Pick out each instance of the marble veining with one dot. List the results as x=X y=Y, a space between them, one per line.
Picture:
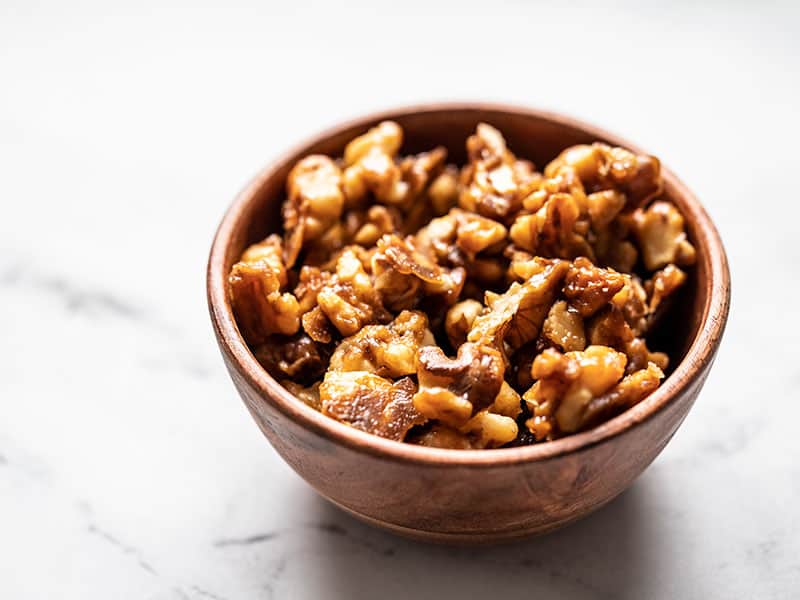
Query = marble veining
x=129 y=467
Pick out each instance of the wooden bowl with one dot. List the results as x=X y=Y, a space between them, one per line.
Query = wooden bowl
x=471 y=496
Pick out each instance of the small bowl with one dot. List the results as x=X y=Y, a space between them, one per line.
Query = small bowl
x=471 y=496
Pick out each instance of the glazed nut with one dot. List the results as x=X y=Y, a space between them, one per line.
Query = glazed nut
x=489 y=430
x=443 y=405
x=459 y=320
x=386 y=350
x=443 y=191
x=387 y=137
x=349 y=300
x=660 y=232
x=371 y=403
x=564 y=327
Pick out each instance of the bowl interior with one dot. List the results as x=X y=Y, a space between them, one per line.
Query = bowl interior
x=532 y=135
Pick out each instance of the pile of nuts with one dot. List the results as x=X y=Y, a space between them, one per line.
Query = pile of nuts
x=470 y=308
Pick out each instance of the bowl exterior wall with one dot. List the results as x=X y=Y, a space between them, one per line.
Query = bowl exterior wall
x=473 y=504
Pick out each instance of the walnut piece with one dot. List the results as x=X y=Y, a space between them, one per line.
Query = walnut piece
x=494 y=182
x=564 y=327
x=516 y=317
x=386 y=350
x=262 y=309
x=314 y=202
x=298 y=357
x=662 y=238
x=566 y=384
x=371 y=403
x=459 y=320
x=451 y=390
x=589 y=288
x=371 y=167
x=349 y=300
x=402 y=274
x=602 y=167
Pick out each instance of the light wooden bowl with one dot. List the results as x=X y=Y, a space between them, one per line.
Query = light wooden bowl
x=462 y=496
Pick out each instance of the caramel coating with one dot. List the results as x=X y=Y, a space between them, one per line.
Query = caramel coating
x=386 y=350
x=470 y=307
x=369 y=402
x=451 y=390
x=256 y=284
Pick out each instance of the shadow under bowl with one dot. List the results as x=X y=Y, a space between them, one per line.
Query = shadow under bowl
x=471 y=496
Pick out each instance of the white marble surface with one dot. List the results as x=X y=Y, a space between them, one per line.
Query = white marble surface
x=128 y=466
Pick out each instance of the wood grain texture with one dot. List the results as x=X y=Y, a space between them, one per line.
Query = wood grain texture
x=461 y=496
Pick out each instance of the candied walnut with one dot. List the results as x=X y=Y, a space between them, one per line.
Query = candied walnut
x=523 y=265
x=452 y=389
x=627 y=393
x=308 y=395
x=402 y=272
x=603 y=206
x=319 y=251
x=386 y=137
x=553 y=372
x=554 y=230
x=565 y=385
x=386 y=350
x=589 y=288
x=602 y=167
x=560 y=181
x=443 y=190
x=475 y=233
x=462 y=239
x=379 y=220
x=419 y=170
x=311 y=281
x=270 y=252
x=612 y=248
x=600 y=368
x=371 y=403
x=525 y=232
x=487 y=144
x=662 y=239
x=485 y=430
x=489 y=430
x=662 y=285
x=639 y=356
x=609 y=328
x=564 y=327
x=363 y=255
x=459 y=320
x=516 y=317
x=314 y=202
x=507 y=402
x=371 y=167
x=437 y=240
x=349 y=300
x=318 y=326
x=260 y=307
x=632 y=301
x=297 y=357
x=491 y=182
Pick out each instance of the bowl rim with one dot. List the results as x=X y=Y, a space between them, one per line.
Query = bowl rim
x=692 y=368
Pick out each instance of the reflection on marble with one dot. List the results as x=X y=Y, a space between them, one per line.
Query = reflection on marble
x=128 y=466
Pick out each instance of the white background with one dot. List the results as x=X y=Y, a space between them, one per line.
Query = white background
x=129 y=467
